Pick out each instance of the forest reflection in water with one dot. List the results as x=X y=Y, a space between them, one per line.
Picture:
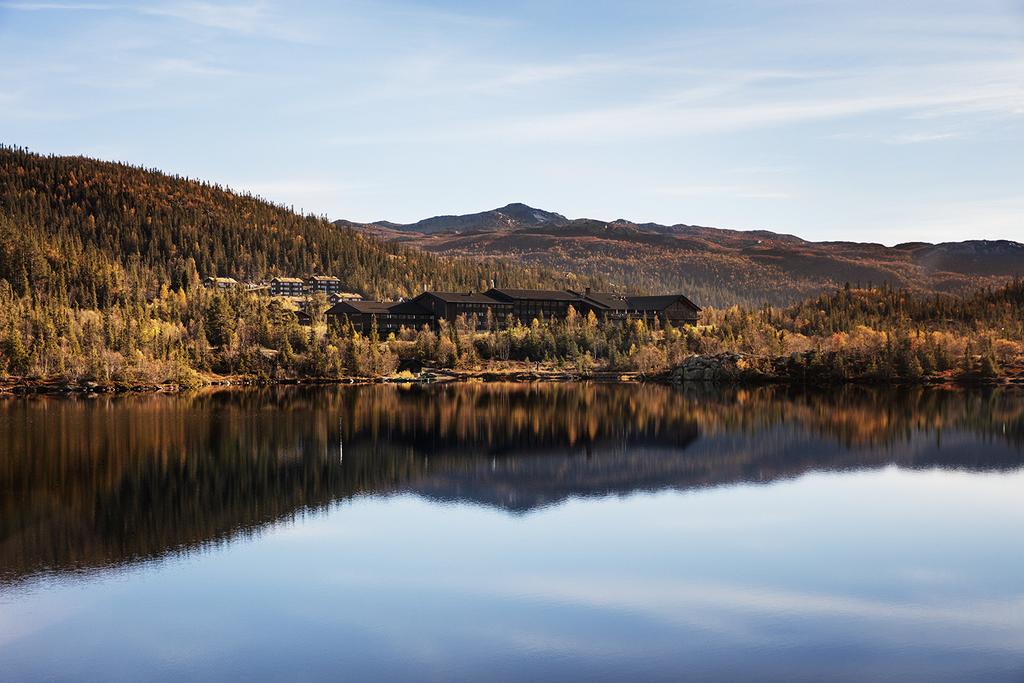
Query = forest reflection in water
x=89 y=484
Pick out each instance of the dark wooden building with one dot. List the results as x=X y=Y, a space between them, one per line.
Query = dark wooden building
x=450 y=305
x=674 y=308
x=390 y=316
x=524 y=304
x=527 y=304
x=328 y=284
x=287 y=286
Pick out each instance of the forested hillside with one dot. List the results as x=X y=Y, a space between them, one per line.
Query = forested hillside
x=95 y=230
x=100 y=269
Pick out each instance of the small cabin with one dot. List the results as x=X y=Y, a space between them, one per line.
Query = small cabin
x=338 y=297
x=220 y=283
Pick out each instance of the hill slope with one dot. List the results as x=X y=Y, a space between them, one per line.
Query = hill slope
x=105 y=227
x=714 y=266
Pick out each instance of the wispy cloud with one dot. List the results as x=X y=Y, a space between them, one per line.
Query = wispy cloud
x=437 y=16
x=248 y=18
x=57 y=6
x=991 y=88
x=734 y=191
x=669 y=100
x=189 y=67
x=915 y=138
x=904 y=138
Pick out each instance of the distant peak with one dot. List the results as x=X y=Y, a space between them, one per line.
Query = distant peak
x=528 y=214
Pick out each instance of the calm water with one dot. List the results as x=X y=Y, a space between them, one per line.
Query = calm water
x=498 y=532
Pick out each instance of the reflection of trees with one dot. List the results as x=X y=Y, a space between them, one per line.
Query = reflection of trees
x=860 y=415
x=88 y=483
x=544 y=443
x=516 y=418
x=498 y=417
x=113 y=480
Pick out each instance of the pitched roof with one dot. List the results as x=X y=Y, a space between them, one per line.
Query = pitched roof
x=549 y=294
x=324 y=278
x=408 y=308
x=629 y=302
x=462 y=297
x=608 y=300
x=658 y=302
x=287 y=279
x=377 y=308
x=368 y=307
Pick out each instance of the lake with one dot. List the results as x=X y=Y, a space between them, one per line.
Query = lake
x=497 y=532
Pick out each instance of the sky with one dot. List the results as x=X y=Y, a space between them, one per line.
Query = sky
x=869 y=121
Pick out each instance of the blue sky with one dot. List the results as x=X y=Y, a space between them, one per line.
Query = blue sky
x=869 y=121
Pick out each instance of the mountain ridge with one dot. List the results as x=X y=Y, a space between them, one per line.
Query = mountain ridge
x=437 y=224
x=721 y=265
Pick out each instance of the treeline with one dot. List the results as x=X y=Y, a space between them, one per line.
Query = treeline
x=96 y=232
x=851 y=334
x=183 y=335
x=856 y=333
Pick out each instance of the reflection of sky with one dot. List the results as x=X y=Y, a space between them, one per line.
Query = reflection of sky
x=884 y=573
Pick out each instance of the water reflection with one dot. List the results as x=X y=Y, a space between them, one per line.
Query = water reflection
x=94 y=483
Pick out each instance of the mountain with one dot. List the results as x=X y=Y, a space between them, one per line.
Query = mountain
x=97 y=231
x=714 y=266
x=507 y=217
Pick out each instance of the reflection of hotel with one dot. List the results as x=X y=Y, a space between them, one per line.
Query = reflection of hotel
x=522 y=304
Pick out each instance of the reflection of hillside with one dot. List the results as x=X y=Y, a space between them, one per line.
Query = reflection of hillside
x=655 y=438
x=864 y=416
x=90 y=483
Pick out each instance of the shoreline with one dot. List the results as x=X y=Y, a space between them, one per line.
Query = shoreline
x=12 y=386
x=22 y=387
